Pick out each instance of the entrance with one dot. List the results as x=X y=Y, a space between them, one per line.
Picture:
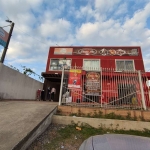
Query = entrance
x=49 y=85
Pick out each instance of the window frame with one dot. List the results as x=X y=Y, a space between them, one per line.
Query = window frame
x=59 y=59
x=92 y=59
x=124 y=61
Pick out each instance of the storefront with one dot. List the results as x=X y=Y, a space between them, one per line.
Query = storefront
x=96 y=74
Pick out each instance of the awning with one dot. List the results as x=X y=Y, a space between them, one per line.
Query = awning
x=54 y=77
x=50 y=75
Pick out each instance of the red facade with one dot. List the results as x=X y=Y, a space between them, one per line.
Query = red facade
x=106 y=61
x=117 y=66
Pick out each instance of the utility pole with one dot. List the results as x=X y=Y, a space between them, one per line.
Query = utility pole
x=9 y=36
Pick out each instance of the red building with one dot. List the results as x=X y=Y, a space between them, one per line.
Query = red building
x=113 y=65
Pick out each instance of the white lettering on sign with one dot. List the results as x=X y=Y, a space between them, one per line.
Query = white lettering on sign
x=87 y=51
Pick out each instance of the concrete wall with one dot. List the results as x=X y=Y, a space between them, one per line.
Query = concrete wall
x=15 y=85
x=107 y=123
x=67 y=110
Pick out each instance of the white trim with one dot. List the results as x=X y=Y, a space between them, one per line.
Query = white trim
x=124 y=60
x=99 y=68
x=58 y=59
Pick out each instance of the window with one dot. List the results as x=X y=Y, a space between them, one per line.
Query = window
x=56 y=64
x=124 y=65
x=89 y=64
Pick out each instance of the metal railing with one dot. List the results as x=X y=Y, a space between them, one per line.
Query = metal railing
x=117 y=89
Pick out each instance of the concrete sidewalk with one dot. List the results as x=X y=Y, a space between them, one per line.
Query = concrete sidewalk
x=19 y=118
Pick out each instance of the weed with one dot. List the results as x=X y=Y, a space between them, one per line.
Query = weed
x=88 y=115
x=95 y=115
x=128 y=117
x=110 y=115
x=100 y=113
x=59 y=111
x=73 y=114
x=141 y=118
x=135 y=118
x=79 y=113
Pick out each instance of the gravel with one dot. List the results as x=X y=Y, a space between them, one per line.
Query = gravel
x=52 y=132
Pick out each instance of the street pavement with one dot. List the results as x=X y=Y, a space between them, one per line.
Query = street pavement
x=18 y=118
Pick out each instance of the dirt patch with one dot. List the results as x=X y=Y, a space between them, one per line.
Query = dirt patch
x=61 y=137
x=58 y=137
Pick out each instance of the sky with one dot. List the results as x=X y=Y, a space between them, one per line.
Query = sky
x=40 y=24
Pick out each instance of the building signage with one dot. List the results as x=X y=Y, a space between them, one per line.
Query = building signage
x=74 y=78
x=3 y=37
x=76 y=95
x=106 y=51
x=63 y=51
x=92 y=83
x=86 y=51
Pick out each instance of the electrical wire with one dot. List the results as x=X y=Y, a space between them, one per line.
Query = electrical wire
x=31 y=36
x=5 y=26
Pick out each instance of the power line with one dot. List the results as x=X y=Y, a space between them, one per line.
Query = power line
x=31 y=36
x=5 y=26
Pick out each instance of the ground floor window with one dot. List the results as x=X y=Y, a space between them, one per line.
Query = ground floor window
x=127 y=65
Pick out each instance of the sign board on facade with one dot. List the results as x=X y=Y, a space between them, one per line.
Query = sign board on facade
x=76 y=95
x=106 y=51
x=92 y=83
x=74 y=78
x=63 y=51
x=3 y=37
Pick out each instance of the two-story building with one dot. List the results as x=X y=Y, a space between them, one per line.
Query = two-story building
x=113 y=66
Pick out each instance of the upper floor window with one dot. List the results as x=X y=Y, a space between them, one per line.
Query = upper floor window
x=91 y=64
x=127 y=65
x=57 y=64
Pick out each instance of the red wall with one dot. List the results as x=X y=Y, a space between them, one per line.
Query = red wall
x=106 y=61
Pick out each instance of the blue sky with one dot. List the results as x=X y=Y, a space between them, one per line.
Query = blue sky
x=40 y=24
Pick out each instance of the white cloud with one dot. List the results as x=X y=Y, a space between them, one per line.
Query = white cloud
x=112 y=32
x=122 y=9
x=106 y=5
x=42 y=23
x=55 y=28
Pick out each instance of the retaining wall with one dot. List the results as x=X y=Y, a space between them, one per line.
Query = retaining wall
x=67 y=110
x=107 y=123
x=15 y=85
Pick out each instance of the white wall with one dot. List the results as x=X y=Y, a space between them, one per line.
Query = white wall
x=15 y=85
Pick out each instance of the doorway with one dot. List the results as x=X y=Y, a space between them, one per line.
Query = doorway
x=48 y=87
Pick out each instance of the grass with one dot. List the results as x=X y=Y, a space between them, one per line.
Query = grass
x=71 y=138
x=100 y=114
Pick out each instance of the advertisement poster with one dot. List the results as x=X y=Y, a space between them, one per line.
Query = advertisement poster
x=57 y=64
x=3 y=37
x=92 y=83
x=74 y=78
x=106 y=51
x=63 y=51
x=76 y=95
